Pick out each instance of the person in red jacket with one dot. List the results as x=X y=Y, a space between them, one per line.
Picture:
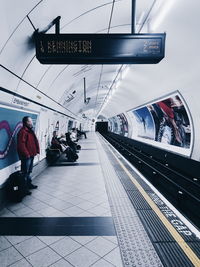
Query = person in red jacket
x=27 y=148
x=166 y=107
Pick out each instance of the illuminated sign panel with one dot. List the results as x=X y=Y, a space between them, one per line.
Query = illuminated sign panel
x=100 y=48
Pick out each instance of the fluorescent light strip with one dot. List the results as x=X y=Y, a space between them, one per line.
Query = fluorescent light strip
x=167 y=5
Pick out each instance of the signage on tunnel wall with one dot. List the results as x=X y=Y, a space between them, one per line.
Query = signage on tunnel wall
x=118 y=124
x=10 y=124
x=100 y=48
x=165 y=123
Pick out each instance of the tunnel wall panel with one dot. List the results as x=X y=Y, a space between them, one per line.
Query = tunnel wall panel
x=177 y=72
x=11 y=114
x=165 y=123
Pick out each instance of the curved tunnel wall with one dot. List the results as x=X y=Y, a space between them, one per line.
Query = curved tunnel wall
x=45 y=122
x=32 y=88
x=165 y=123
x=22 y=74
x=177 y=72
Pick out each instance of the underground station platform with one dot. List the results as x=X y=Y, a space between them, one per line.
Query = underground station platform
x=98 y=211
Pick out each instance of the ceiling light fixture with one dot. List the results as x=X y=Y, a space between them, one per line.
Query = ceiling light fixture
x=162 y=12
x=125 y=71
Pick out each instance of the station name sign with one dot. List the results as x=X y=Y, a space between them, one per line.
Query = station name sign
x=100 y=48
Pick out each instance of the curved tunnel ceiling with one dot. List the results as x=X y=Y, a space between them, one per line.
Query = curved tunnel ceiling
x=63 y=83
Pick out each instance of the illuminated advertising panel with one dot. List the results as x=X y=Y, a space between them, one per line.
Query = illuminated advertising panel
x=165 y=123
x=10 y=124
x=118 y=124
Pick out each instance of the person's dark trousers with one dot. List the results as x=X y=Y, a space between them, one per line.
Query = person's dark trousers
x=83 y=133
x=26 y=169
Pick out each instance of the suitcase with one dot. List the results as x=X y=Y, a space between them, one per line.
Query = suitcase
x=16 y=187
x=71 y=155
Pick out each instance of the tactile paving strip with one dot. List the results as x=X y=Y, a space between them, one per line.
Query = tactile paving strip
x=138 y=178
x=167 y=251
x=127 y=183
x=154 y=226
x=138 y=201
x=121 y=173
x=195 y=246
x=135 y=245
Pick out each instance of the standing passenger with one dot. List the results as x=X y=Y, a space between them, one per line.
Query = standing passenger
x=27 y=148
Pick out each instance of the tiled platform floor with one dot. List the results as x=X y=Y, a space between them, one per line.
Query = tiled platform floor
x=64 y=191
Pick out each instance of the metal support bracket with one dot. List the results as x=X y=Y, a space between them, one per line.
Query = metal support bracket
x=56 y=21
x=133 y=16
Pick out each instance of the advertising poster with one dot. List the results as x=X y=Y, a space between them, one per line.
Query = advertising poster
x=145 y=123
x=110 y=125
x=123 y=124
x=10 y=124
x=70 y=125
x=171 y=122
x=118 y=124
x=166 y=122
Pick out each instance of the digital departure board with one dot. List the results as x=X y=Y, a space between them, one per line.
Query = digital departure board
x=100 y=48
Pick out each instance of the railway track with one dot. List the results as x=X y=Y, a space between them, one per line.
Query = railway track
x=181 y=189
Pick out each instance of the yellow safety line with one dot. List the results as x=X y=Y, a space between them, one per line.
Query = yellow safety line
x=187 y=250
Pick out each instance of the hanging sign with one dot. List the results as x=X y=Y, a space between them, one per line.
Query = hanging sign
x=100 y=48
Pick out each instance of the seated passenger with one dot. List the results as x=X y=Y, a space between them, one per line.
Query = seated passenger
x=56 y=143
x=62 y=139
x=69 y=142
x=73 y=135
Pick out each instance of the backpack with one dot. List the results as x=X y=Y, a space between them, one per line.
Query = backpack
x=16 y=187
